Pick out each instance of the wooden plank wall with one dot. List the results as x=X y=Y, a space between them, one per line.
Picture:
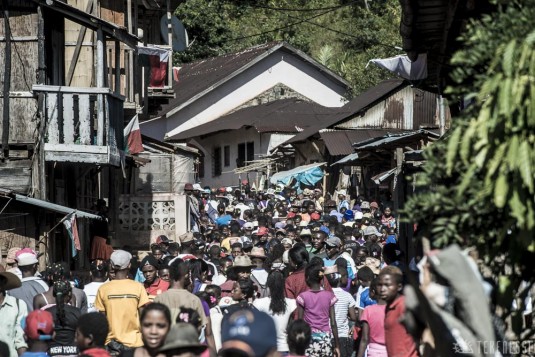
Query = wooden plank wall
x=84 y=74
x=24 y=62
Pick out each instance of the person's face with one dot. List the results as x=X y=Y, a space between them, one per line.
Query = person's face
x=297 y=219
x=387 y=288
x=318 y=240
x=291 y=234
x=164 y=274
x=263 y=238
x=360 y=257
x=226 y=266
x=244 y=273
x=305 y=238
x=259 y=262
x=237 y=294
x=332 y=251
x=387 y=212
x=154 y=328
x=311 y=209
x=111 y=274
x=373 y=238
x=157 y=253
x=225 y=231
x=82 y=342
x=149 y=272
x=236 y=252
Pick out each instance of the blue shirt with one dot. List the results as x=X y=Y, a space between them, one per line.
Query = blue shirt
x=365 y=299
x=330 y=262
x=391 y=239
x=223 y=220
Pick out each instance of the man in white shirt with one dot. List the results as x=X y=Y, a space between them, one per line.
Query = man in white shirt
x=99 y=275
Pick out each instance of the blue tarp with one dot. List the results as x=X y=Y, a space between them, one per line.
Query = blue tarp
x=304 y=175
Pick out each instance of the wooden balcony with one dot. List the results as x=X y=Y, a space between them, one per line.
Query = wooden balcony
x=83 y=125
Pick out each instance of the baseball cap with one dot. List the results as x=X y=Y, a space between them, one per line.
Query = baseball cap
x=197 y=187
x=365 y=205
x=162 y=239
x=262 y=231
x=333 y=242
x=250 y=331
x=248 y=225
x=305 y=232
x=26 y=257
x=374 y=205
x=120 y=259
x=38 y=325
x=358 y=215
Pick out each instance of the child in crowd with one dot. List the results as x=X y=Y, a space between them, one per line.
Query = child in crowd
x=38 y=327
x=316 y=307
x=344 y=306
x=91 y=335
x=299 y=335
x=397 y=340
x=372 y=333
x=364 y=277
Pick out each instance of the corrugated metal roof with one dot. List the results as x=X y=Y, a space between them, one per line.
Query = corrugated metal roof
x=356 y=105
x=340 y=142
x=395 y=140
x=196 y=78
x=284 y=115
x=407 y=109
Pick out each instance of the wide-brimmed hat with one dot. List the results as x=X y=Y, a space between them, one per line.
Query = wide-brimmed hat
x=242 y=261
x=11 y=281
x=258 y=252
x=11 y=253
x=186 y=237
x=371 y=230
x=182 y=335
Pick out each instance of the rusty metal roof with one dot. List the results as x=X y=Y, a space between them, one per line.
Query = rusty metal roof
x=281 y=116
x=390 y=141
x=340 y=142
x=354 y=107
x=198 y=78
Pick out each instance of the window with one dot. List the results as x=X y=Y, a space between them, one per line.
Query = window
x=240 y=161
x=200 y=167
x=226 y=153
x=250 y=151
x=216 y=162
x=245 y=153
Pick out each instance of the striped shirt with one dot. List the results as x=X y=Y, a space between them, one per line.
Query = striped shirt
x=341 y=309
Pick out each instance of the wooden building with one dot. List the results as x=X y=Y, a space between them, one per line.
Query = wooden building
x=71 y=80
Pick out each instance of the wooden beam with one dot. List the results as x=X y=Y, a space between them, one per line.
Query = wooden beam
x=81 y=35
x=7 y=84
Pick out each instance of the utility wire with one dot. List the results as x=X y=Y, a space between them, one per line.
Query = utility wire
x=300 y=10
x=289 y=25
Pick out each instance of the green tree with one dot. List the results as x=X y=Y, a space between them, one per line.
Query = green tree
x=482 y=174
x=353 y=31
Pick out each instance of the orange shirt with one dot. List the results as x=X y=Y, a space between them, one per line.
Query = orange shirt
x=157 y=287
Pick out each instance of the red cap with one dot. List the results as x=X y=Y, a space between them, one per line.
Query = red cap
x=262 y=231
x=39 y=325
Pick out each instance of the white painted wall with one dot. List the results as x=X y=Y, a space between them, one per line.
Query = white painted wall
x=231 y=138
x=279 y=67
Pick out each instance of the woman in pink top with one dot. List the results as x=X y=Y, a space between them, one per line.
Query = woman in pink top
x=373 y=327
x=316 y=307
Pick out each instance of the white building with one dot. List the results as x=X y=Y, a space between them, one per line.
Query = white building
x=208 y=92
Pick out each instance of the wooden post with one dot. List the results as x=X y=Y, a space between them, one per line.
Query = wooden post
x=101 y=64
x=170 y=41
x=117 y=67
x=7 y=83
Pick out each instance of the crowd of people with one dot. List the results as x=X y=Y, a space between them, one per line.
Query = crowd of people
x=275 y=273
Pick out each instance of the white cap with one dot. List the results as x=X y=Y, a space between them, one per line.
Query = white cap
x=197 y=187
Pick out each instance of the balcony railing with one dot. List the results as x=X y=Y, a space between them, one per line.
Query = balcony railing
x=82 y=124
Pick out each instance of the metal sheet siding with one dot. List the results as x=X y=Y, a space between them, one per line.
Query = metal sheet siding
x=407 y=109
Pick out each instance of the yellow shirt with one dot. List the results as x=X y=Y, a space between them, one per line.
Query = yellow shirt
x=120 y=300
